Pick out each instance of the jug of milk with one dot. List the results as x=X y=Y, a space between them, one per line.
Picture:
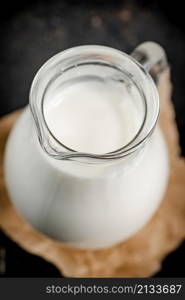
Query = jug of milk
x=86 y=163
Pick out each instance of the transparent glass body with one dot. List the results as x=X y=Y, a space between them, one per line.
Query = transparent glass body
x=89 y=200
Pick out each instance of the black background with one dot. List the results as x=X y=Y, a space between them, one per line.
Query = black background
x=33 y=31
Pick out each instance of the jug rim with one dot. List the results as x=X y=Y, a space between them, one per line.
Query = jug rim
x=58 y=64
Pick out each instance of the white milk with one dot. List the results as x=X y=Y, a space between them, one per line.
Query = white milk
x=87 y=205
x=93 y=117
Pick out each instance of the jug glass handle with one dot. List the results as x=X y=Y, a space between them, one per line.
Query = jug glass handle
x=152 y=57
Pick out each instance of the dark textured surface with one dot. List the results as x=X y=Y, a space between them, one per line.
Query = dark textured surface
x=33 y=32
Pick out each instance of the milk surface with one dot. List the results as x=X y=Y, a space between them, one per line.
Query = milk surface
x=94 y=116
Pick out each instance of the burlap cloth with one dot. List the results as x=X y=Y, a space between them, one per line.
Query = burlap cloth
x=141 y=255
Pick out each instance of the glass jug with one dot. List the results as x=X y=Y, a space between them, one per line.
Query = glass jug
x=89 y=200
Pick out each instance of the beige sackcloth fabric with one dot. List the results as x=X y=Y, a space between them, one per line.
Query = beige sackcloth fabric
x=142 y=254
